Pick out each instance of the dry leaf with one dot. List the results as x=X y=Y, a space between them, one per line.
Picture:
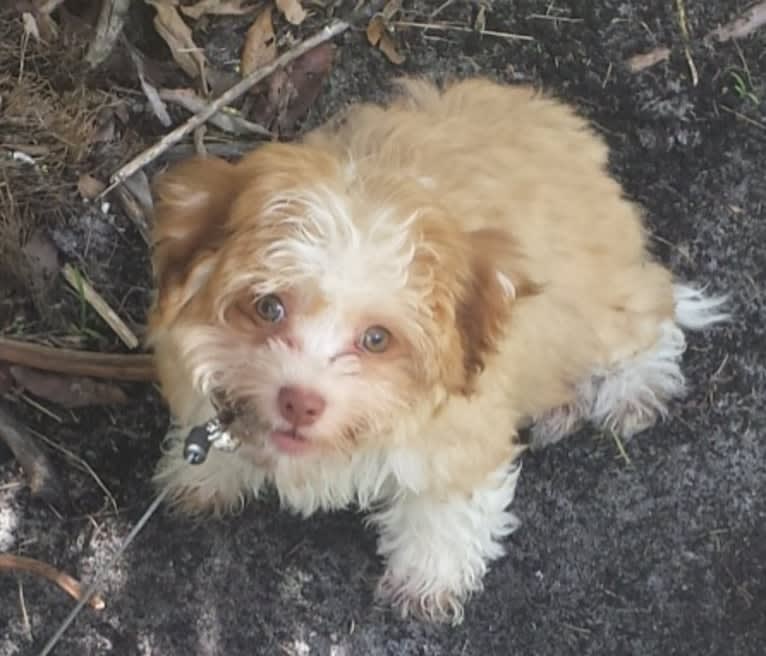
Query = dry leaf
x=68 y=391
x=291 y=91
x=41 y=262
x=260 y=46
x=216 y=7
x=178 y=36
x=305 y=79
x=645 y=60
x=150 y=91
x=378 y=35
x=292 y=10
x=89 y=187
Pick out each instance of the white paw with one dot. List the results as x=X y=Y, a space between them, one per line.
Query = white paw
x=430 y=604
x=555 y=424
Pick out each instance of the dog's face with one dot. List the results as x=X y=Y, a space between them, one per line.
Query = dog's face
x=330 y=304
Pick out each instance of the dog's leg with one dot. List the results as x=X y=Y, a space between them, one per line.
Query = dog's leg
x=560 y=422
x=219 y=485
x=437 y=548
x=633 y=394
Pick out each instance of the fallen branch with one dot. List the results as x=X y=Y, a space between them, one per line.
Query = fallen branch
x=78 y=282
x=138 y=368
x=68 y=391
x=40 y=474
x=173 y=137
x=71 y=586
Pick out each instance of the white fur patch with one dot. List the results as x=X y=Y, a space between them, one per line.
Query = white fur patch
x=509 y=289
x=695 y=310
x=437 y=550
x=630 y=397
x=348 y=257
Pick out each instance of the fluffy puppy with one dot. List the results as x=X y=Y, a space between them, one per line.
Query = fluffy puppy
x=388 y=301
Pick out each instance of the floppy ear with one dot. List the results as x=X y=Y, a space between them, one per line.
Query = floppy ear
x=495 y=279
x=192 y=202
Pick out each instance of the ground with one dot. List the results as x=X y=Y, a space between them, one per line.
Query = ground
x=660 y=550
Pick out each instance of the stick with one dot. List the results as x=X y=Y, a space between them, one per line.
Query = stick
x=37 y=467
x=135 y=212
x=97 y=302
x=68 y=584
x=139 y=367
x=173 y=137
x=446 y=27
x=227 y=121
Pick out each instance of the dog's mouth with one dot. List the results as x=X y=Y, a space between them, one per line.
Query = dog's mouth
x=289 y=441
x=242 y=421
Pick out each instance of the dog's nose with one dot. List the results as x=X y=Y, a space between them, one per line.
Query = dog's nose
x=300 y=406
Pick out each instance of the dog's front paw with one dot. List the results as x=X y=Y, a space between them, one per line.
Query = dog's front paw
x=423 y=602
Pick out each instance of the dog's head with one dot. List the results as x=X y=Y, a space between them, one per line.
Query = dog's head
x=331 y=302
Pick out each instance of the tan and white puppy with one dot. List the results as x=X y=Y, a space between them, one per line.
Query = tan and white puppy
x=389 y=300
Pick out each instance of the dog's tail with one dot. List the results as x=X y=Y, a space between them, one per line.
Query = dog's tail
x=696 y=310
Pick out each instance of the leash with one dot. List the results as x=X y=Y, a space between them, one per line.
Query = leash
x=196 y=448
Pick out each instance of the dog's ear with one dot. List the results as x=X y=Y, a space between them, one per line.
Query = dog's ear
x=192 y=203
x=495 y=278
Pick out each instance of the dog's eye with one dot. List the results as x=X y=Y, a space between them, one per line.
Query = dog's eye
x=270 y=308
x=375 y=339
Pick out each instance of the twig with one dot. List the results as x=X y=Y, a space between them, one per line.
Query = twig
x=226 y=98
x=445 y=27
x=681 y=9
x=102 y=308
x=745 y=118
x=228 y=120
x=135 y=213
x=620 y=447
x=556 y=18
x=110 y=24
x=71 y=586
x=743 y=25
x=24 y=613
x=138 y=367
x=199 y=141
x=40 y=474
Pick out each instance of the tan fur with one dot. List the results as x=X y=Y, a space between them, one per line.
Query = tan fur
x=499 y=159
x=528 y=275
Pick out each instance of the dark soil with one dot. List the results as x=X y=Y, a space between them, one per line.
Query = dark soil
x=664 y=554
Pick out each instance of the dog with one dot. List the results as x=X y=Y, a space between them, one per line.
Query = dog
x=390 y=300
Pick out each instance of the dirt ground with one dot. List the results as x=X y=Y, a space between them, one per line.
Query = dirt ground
x=660 y=550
